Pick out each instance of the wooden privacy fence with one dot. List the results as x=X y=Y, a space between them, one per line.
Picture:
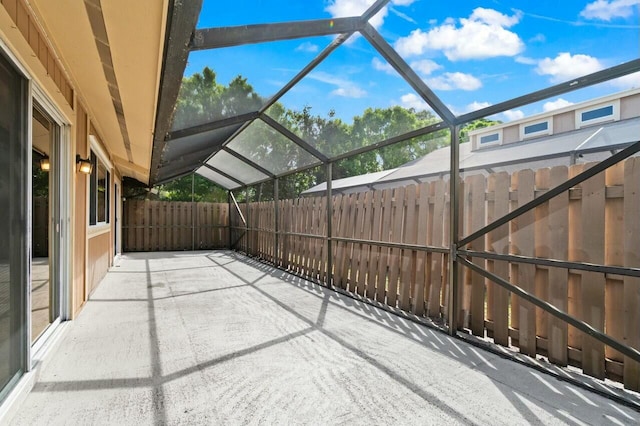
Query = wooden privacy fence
x=596 y=222
x=164 y=225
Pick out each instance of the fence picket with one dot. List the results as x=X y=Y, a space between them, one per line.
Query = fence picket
x=356 y=232
x=437 y=275
x=523 y=244
x=614 y=255
x=396 y=253
x=475 y=208
x=542 y=178
x=374 y=253
x=498 y=242
x=366 y=248
x=424 y=221
x=407 y=275
x=558 y=277
x=385 y=233
x=575 y=247
x=593 y=215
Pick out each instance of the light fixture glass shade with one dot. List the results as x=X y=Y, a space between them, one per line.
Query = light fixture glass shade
x=84 y=166
x=45 y=165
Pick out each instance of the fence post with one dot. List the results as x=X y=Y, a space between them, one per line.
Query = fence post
x=247 y=234
x=329 y=178
x=276 y=216
x=454 y=237
x=193 y=225
x=229 y=221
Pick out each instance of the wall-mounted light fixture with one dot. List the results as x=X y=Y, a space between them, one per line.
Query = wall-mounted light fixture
x=45 y=165
x=84 y=165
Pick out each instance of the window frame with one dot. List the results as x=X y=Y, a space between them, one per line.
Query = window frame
x=614 y=116
x=545 y=132
x=498 y=141
x=98 y=158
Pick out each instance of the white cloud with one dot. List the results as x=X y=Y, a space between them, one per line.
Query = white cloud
x=349 y=92
x=607 y=10
x=557 y=104
x=538 y=38
x=308 y=47
x=345 y=88
x=402 y=15
x=511 y=115
x=402 y=2
x=453 y=81
x=566 y=66
x=383 y=66
x=348 y=8
x=630 y=81
x=411 y=100
x=425 y=66
x=525 y=60
x=475 y=105
x=493 y=17
x=482 y=35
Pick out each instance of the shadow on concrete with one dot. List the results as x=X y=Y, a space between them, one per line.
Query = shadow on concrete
x=430 y=339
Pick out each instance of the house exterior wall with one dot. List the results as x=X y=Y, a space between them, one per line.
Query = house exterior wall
x=79 y=293
x=28 y=42
x=629 y=106
x=510 y=134
x=99 y=259
x=564 y=122
x=561 y=120
x=87 y=252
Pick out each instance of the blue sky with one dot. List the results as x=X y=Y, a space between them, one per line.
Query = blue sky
x=472 y=54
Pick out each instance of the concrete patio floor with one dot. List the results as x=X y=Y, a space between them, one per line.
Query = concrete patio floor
x=217 y=338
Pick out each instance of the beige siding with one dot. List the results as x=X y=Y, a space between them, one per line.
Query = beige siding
x=630 y=107
x=80 y=219
x=511 y=134
x=99 y=259
x=564 y=122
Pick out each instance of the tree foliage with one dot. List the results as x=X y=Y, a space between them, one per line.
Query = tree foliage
x=202 y=99
x=181 y=190
x=474 y=125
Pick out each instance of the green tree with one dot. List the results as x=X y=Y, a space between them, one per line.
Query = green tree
x=202 y=99
x=180 y=190
x=474 y=125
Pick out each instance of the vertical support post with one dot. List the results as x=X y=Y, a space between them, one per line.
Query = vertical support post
x=246 y=224
x=329 y=177
x=229 y=222
x=454 y=235
x=193 y=208
x=276 y=227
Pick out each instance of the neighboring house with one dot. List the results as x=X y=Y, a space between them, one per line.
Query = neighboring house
x=589 y=131
x=79 y=83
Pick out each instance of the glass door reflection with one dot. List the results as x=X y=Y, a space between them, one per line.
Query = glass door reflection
x=44 y=292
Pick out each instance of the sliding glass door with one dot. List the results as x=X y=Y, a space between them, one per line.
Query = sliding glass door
x=13 y=225
x=45 y=238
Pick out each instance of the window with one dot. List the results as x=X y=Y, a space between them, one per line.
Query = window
x=531 y=130
x=99 y=191
x=491 y=138
x=598 y=114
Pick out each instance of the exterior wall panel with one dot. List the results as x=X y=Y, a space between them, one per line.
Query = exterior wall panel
x=629 y=106
x=80 y=219
x=510 y=134
x=564 y=122
x=99 y=259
